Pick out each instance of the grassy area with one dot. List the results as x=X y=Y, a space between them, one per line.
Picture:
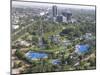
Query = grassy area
x=47 y=34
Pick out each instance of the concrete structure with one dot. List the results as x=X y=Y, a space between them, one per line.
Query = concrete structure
x=54 y=13
x=64 y=19
x=15 y=26
x=68 y=15
x=23 y=43
x=66 y=43
x=64 y=16
x=42 y=43
x=54 y=10
x=55 y=39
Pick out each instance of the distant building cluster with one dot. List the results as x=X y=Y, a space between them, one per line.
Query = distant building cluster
x=55 y=15
x=65 y=16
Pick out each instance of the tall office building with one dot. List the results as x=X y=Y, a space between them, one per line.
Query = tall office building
x=54 y=10
x=68 y=15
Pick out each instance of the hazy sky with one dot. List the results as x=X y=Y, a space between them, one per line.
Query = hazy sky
x=14 y=3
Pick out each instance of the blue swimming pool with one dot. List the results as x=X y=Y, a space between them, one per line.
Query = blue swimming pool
x=35 y=55
x=83 y=48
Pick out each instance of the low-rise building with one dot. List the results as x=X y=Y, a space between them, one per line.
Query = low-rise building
x=15 y=27
x=23 y=43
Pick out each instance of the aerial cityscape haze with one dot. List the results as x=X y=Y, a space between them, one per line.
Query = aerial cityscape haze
x=51 y=37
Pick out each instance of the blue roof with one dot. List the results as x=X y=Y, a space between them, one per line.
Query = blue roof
x=83 y=48
x=36 y=55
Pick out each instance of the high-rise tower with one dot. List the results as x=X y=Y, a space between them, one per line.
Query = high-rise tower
x=54 y=10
